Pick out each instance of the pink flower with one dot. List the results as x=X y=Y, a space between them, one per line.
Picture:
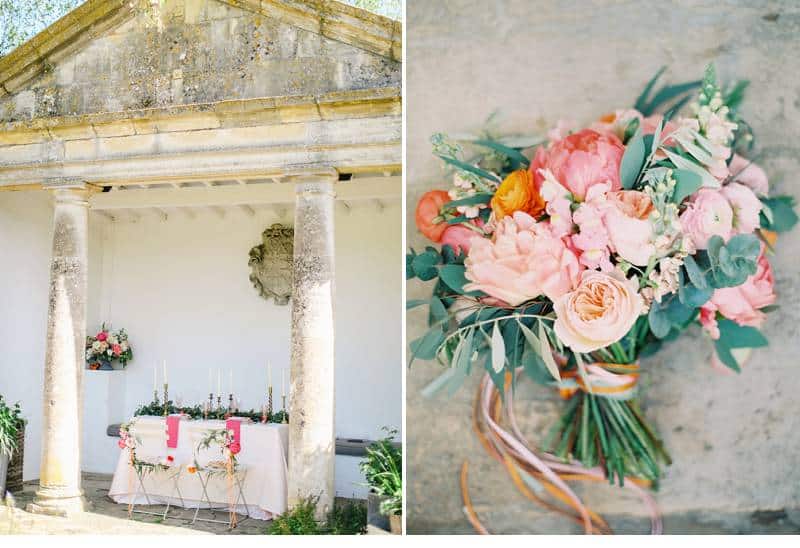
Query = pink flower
x=102 y=336
x=628 y=225
x=592 y=240
x=749 y=174
x=580 y=161
x=235 y=447
x=121 y=444
x=616 y=122
x=742 y=303
x=458 y=237
x=600 y=311
x=746 y=207
x=525 y=260
x=117 y=349
x=707 y=215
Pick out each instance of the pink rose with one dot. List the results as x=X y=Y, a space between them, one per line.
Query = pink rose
x=116 y=349
x=628 y=225
x=746 y=207
x=235 y=447
x=102 y=336
x=523 y=261
x=600 y=311
x=580 y=161
x=121 y=444
x=742 y=303
x=708 y=214
x=458 y=237
x=749 y=174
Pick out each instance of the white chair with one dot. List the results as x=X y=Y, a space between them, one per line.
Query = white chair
x=211 y=468
x=150 y=438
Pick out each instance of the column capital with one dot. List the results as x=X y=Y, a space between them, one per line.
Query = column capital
x=70 y=183
x=323 y=175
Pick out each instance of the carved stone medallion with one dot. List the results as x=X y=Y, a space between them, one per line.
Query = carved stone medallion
x=271 y=264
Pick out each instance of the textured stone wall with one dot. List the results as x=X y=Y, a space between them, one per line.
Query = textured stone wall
x=734 y=439
x=206 y=51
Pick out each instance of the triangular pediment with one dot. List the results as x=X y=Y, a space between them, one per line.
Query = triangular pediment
x=107 y=56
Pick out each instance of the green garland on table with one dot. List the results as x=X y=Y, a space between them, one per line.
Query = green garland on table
x=156 y=409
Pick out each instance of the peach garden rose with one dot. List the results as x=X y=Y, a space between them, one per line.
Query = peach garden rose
x=599 y=312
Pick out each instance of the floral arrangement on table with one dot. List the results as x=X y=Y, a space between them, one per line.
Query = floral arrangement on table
x=129 y=441
x=107 y=347
x=571 y=259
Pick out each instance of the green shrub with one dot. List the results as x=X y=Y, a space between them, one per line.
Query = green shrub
x=347 y=519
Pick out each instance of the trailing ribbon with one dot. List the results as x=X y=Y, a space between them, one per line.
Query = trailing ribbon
x=611 y=380
x=533 y=471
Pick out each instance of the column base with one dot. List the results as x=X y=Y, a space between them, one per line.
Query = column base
x=58 y=504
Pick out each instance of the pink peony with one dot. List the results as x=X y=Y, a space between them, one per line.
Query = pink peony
x=600 y=311
x=580 y=161
x=742 y=303
x=707 y=215
x=116 y=349
x=749 y=174
x=459 y=237
x=746 y=207
x=121 y=444
x=235 y=447
x=628 y=225
x=525 y=260
x=102 y=336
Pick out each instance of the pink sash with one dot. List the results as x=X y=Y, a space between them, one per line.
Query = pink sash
x=173 y=425
x=236 y=426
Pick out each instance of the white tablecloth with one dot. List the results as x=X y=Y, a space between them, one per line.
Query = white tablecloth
x=263 y=456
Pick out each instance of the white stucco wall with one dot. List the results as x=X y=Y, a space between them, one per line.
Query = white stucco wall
x=180 y=287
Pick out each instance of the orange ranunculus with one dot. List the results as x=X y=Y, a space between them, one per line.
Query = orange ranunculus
x=517 y=193
x=428 y=215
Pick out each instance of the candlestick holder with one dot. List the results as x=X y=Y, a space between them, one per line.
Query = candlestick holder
x=155 y=396
x=219 y=403
x=284 y=421
x=205 y=411
x=269 y=401
x=263 y=414
x=166 y=399
x=210 y=401
x=230 y=403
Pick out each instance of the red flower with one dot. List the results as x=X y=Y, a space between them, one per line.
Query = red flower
x=102 y=336
x=170 y=459
x=235 y=447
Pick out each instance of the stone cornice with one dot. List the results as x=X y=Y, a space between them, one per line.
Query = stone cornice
x=329 y=18
x=231 y=113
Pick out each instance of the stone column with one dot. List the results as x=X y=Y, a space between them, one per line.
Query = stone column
x=60 y=475
x=312 y=438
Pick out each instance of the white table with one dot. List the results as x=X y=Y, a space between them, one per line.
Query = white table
x=264 y=455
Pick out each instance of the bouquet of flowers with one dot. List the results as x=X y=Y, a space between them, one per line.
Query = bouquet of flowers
x=570 y=259
x=107 y=347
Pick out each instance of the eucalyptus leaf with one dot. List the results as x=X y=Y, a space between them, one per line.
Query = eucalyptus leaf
x=659 y=321
x=516 y=157
x=470 y=168
x=686 y=183
x=696 y=276
x=425 y=347
x=632 y=161
x=536 y=346
x=498 y=349
x=684 y=163
x=547 y=352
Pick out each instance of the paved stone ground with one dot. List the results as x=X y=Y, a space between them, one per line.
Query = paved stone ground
x=108 y=517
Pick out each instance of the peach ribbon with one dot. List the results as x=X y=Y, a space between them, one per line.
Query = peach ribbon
x=530 y=469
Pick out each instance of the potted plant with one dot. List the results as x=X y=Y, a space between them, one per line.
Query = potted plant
x=383 y=469
x=9 y=424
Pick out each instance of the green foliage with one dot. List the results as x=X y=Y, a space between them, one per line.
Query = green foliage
x=648 y=105
x=11 y=422
x=348 y=519
x=632 y=162
x=21 y=20
x=733 y=335
x=383 y=469
x=778 y=213
x=300 y=520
